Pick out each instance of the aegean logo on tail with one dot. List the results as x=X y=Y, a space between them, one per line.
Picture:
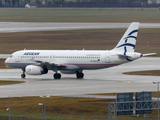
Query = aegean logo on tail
x=129 y=36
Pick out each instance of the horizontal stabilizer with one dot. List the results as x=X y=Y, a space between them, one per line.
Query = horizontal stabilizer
x=149 y=54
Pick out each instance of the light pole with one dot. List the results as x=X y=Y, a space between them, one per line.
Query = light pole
x=44 y=106
x=158 y=98
x=41 y=104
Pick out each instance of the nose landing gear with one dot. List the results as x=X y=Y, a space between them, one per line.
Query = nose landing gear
x=23 y=74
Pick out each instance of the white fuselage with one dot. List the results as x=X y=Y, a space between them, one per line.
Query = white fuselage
x=83 y=59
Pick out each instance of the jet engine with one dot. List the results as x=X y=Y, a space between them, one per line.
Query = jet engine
x=35 y=70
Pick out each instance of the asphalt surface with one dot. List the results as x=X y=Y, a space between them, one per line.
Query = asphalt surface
x=109 y=80
x=40 y=26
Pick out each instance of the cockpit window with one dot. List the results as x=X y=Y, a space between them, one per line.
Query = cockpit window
x=10 y=56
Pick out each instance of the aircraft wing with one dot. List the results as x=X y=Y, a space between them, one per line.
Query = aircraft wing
x=54 y=65
x=48 y=64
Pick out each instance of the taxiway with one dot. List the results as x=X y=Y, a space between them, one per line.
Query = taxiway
x=109 y=80
x=40 y=26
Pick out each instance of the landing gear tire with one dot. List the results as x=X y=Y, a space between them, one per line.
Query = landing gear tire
x=79 y=75
x=57 y=76
x=23 y=75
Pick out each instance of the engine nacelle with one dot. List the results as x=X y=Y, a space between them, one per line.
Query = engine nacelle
x=35 y=70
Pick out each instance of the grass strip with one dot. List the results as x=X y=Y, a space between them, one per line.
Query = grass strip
x=77 y=39
x=146 y=72
x=147 y=15
x=62 y=107
x=9 y=82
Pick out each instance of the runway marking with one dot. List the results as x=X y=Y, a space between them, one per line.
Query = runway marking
x=126 y=82
x=10 y=82
x=26 y=81
x=86 y=88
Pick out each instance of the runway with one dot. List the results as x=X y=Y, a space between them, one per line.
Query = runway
x=109 y=80
x=40 y=26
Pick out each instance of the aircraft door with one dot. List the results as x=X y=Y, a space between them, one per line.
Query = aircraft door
x=107 y=57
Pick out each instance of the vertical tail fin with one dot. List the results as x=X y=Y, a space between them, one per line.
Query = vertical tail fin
x=128 y=40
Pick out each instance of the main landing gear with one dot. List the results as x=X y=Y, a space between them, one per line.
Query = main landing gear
x=23 y=75
x=57 y=76
x=79 y=75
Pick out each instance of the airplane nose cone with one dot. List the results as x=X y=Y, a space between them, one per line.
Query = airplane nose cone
x=6 y=62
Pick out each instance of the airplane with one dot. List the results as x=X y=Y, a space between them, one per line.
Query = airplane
x=38 y=62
